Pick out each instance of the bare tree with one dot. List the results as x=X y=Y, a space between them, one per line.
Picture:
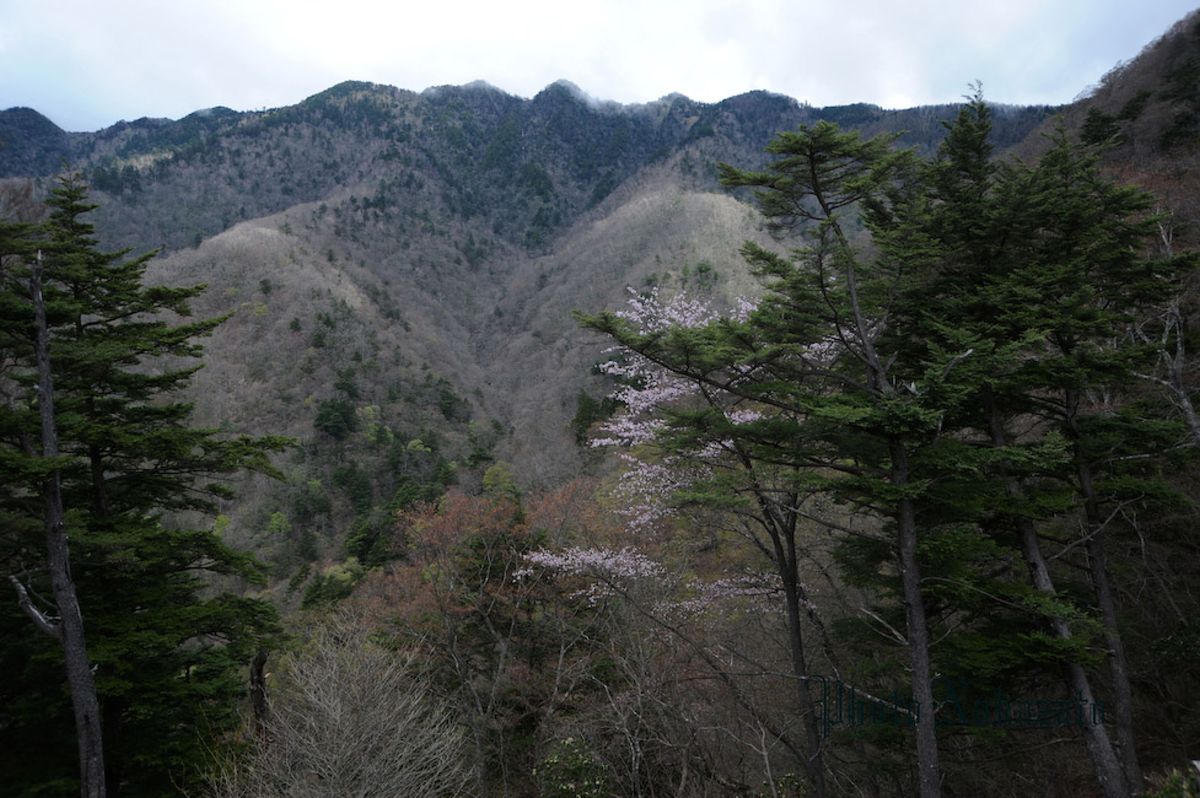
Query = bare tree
x=351 y=719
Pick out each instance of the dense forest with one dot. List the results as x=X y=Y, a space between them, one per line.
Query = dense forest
x=458 y=444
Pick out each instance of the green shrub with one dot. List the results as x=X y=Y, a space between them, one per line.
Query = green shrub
x=336 y=418
x=333 y=584
x=570 y=770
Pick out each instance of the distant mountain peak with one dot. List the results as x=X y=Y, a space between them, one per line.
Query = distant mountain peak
x=31 y=143
x=216 y=111
x=579 y=95
x=346 y=88
x=762 y=96
x=483 y=85
x=27 y=117
x=570 y=86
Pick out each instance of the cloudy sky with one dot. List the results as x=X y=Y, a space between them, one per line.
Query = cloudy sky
x=89 y=63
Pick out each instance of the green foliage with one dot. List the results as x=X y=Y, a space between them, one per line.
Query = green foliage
x=1177 y=784
x=498 y=482
x=1133 y=109
x=452 y=406
x=570 y=770
x=370 y=540
x=311 y=501
x=939 y=381
x=306 y=548
x=278 y=525
x=589 y=411
x=1099 y=127
x=168 y=650
x=416 y=473
x=356 y=484
x=1182 y=91
x=336 y=418
x=346 y=385
x=333 y=584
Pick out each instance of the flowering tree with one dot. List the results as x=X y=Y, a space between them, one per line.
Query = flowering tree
x=514 y=650
x=808 y=395
x=689 y=438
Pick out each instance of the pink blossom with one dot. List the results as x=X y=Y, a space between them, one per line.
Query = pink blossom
x=627 y=563
x=742 y=309
x=743 y=416
x=762 y=590
x=645 y=490
x=651 y=314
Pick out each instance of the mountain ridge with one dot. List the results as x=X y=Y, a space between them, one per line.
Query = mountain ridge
x=414 y=258
x=480 y=84
x=428 y=249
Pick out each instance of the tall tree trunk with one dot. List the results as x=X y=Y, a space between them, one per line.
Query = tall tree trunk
x=69 y=628
x=814 y=764
x=929 y=772
x=1105 y=763
x=1094 y=544
x=781 y=526
x=1106 y=600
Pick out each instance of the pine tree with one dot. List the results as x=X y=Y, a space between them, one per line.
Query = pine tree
x=955 y=382
x=984 y=287
x=1045 y=267
x=166 y=653
x=1081 y=282
x=847 y=416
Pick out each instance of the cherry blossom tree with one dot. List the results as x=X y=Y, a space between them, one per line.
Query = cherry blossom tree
x=688 y=441
x=806 y=397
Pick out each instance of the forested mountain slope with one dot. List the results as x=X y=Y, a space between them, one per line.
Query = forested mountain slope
x=434 y=245
x=430 y=249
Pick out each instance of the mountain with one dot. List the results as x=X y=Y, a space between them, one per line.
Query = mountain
x=1146 y=112
x=401 y=268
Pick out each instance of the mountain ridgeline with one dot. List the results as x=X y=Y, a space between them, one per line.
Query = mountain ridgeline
x=526 y=168
x=401 y=268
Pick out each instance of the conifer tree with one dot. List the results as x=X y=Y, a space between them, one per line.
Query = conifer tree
x=1046 y=268
x=134 y=472
x=851 y=417
x=1083 y=281
x=954 y=380
x=40 y=466
x=983 y=287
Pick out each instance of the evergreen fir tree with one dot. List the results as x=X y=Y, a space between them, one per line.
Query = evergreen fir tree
x=849 y=416
x=952 y=381
x=167 y=653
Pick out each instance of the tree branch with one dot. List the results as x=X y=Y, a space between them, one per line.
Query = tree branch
x=39 y=618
